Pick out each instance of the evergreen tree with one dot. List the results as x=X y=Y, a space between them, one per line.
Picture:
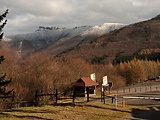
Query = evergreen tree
x=3 y=81
x=3 y=23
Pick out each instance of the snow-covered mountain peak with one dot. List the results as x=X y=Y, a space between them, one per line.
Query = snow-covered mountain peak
x=102 y=29
x=61 y=38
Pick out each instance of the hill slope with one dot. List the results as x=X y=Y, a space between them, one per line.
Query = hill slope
x=123 y=42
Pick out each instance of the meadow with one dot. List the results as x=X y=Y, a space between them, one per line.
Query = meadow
x=71 y=111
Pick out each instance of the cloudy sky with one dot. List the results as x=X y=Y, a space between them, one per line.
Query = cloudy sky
x=27 y=15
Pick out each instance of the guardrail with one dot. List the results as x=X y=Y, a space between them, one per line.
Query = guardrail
x=131 y=97
x=138 y=89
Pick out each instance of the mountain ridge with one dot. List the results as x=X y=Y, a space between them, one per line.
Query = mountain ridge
x=101 y=44
x=45 y=36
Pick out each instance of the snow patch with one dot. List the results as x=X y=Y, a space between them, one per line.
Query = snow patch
x=102 y=29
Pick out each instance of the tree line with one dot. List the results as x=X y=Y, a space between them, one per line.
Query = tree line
x=151 y=56
x=137 y=70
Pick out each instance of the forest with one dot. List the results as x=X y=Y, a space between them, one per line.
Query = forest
x=41 y=71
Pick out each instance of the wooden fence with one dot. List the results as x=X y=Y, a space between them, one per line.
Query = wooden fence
x=40 y=98
x=43 y=97
x=15 y=104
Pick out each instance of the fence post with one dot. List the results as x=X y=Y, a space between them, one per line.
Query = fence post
x=129 y=90
x=123 y=101
x=104 y=97
x=74 y=95
x=112 y=99
x=12 y=99
x=101 y=96
x=13 y=96
x=36 y=98
x=87 y=89
x=102 y=90
x=156 y=88
x=56 y=96
x=115 y=98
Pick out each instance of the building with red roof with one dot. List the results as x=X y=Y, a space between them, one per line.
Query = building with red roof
x=83 y=84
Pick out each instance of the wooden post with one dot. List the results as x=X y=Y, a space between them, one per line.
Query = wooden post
x=156 y=88
x=104 y=97
x=36 y=98
x=12 y=99
x=56 y=96
x=74 y=95
x=109 y=89
x=13 y=96
x=115 y=98
x=102 y=94
x=87 y=94
x=129 y=90
x=112 y=100
x=123 y=102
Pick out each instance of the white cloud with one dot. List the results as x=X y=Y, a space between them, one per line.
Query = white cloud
x=27 y=15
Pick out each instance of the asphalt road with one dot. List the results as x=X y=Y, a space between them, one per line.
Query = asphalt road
x=143 y=94
x=153 y=111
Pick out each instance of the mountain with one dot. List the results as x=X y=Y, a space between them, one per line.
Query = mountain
x=100 y=44
x=58 y=40
x=121 y=43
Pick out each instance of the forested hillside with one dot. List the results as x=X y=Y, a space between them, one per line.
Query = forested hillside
x=124 y=43
x=44 y=72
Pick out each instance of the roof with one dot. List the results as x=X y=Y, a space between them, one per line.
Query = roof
x=85 y=81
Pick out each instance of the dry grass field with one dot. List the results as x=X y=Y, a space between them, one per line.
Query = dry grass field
x=71 y=111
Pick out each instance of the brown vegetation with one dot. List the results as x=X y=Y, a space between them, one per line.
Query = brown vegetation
x=46 y=73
